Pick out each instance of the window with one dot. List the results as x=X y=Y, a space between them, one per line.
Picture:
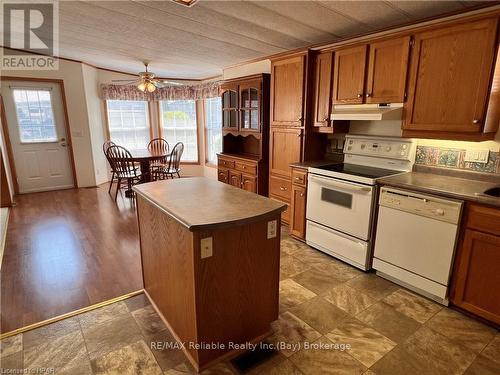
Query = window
x=213 y=123
x=35 y=115
x=178 y=124
x=128 y=123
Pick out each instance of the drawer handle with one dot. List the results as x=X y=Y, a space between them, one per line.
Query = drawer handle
x=298 y=178
x=283 y=188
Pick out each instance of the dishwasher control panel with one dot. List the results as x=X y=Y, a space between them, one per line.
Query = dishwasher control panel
x=421 y=204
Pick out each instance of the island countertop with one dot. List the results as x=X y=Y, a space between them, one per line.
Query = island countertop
x=201 y=203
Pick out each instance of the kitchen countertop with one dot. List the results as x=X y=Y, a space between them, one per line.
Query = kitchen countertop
x=314 y=163
x=444 y=185
x=201 y=203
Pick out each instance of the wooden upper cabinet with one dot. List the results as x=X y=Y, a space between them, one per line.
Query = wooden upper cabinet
x=250 y=98
x=323 y=88
x=229 y=95
x=450 y=72
x=286 y=147
x=387 y=68
x=349 y=75
x=287 y=91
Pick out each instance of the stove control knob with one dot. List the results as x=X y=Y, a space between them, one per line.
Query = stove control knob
x=388 y=148
x=363 y=146
x=404 y=147
x=403 y=153
x=350 y=141
x=439 y=211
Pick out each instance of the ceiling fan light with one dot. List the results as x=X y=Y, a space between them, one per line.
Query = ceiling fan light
x=150 y=87
x=142 y=86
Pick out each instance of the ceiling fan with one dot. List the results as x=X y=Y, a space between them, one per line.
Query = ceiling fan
x=146 y=81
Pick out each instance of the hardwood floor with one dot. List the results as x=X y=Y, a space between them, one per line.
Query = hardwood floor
x=66 y=250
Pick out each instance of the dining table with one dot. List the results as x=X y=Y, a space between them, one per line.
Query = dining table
x=144 y=157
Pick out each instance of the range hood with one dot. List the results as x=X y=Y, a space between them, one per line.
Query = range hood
x=392 y=111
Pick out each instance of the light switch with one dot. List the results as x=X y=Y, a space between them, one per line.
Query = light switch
x=206 y=247
x=477 y=156
x=272 y=227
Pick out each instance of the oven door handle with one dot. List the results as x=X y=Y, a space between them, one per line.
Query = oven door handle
x=341 y=185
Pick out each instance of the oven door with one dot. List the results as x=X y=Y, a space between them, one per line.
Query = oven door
x=340 y=205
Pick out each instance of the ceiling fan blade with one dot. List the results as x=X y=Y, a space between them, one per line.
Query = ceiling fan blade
x=172 y=83
x=123 y=80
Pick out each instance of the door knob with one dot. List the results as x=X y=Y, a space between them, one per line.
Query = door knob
x=63 y=144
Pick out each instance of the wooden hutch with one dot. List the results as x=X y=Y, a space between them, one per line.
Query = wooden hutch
x=243 y=161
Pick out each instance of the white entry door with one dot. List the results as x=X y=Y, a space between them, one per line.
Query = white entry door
x=37 y=131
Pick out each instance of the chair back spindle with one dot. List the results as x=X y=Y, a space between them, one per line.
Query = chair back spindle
x=121 y=159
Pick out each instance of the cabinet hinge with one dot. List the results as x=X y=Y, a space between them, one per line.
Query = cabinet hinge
x=412 y=42
x=406 y=95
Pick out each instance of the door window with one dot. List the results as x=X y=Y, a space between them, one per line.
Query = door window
x=336 y=197
x=35 y=115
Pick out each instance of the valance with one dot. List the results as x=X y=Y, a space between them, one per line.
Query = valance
x=186 y=92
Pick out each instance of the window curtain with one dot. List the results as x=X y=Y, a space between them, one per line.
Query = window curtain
x=189 y=92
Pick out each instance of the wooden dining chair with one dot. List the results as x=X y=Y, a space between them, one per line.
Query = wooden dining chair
x=124 y=167
x=158 y=146
x=105 y=147
x=173 y=167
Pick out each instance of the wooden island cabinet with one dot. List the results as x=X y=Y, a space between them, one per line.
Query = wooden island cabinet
x=476 y=275
x=211 y=263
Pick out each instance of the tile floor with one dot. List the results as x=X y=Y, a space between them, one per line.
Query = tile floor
x=324 y=303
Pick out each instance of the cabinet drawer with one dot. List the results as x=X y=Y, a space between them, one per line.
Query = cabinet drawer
x=280 y=187
x=226 y=163
x=246 y=168
x=483 y=219
x=222 y=175
x=299 y=177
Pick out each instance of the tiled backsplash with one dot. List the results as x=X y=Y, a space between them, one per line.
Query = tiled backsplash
x=454 y=158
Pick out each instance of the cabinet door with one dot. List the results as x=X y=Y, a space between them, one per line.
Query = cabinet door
x=349 y=75
x=285 y=148
x=250 y=93
x=477 y=277
x=249 y=183
x=287 y=91
x=298 y=212
x=322 y=88
x=450 y=72
x=229 y=95
x=235 y=179
x=387 y=68
x=223 y=175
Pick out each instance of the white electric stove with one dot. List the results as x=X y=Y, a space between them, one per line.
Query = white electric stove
x=341 y=196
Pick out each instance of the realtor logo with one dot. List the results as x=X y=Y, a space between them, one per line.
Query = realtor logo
x=30 y=35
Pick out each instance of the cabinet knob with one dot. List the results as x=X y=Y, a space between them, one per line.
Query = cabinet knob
x=368 y=95
x=298 y=178
x=360 y=95
x=301 y=194
x=299 y=118
x=283 y=188
x=475 y=121
x=326 y=118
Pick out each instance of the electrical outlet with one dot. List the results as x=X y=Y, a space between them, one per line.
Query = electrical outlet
x=477 y=156
x=206 y=247
x=272 y=227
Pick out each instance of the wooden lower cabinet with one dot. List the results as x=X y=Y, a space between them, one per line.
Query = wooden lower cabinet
x=245 y=173
x=298 y=214
x=298 y=203
x=476 y=276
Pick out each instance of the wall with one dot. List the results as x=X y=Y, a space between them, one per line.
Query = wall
x=95 y=121
x=6 y=163
x=262 y=66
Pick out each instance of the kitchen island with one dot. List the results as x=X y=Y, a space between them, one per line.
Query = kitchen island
x=210 y=260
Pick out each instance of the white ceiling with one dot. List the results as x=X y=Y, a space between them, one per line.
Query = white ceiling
x=198 y=42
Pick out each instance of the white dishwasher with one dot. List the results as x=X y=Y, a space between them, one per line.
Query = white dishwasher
x=416 y=239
